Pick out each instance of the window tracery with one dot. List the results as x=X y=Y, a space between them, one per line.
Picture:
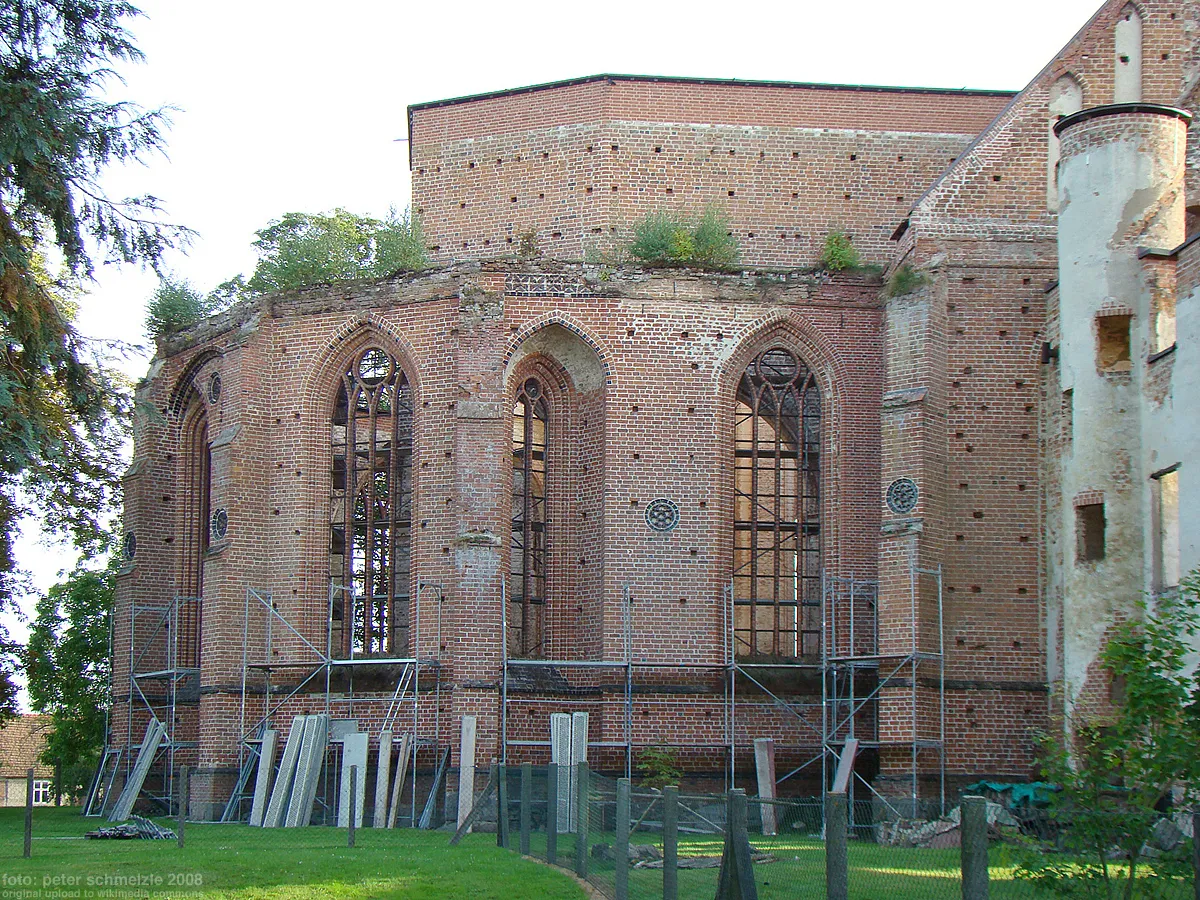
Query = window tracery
x=371 y=507
x=777 y=509
x=527 y=559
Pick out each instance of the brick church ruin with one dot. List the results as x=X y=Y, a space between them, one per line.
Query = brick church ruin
x=703 y=508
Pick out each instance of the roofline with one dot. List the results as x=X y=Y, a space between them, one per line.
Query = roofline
x=979 y=138
x=683 y=79
x=612 y=78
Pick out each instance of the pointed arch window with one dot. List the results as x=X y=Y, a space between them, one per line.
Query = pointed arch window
x=198 y=487
x=777 y=509
x=527 y=566
x=371 y=508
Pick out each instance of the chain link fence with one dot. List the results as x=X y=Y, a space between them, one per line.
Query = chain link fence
x=636 y=843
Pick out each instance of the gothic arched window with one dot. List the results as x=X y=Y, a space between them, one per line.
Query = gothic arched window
x=197 y=456
x=777 y=509
x=371 y=507
x=527 y=566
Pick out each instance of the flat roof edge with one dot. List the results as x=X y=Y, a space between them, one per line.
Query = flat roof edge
x=681 y=79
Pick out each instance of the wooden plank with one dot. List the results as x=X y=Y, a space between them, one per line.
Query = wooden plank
x=845 y=767
x=579 y=741
x=308 y=771
x=764 y=763
x=155 y=732
x=476 y=809
x=466 y=770
x=560 y=756
x=406 y=745
x=382 y=771
x=354 y=756
x=282 y=790
x=262 y=777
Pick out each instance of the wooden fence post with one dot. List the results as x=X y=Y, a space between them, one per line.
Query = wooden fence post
x=526 y=805
x=670 y=843
x=185 y=791
x=352 y=819
x=621 y=844
x=28 y=813
x=552 y=814
x=837 y=862
x=974 y=848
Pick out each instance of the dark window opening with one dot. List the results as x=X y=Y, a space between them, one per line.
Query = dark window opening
x=1112 y=344
x=371 y=507
x=1089 y=532
x=527 y=566
x=777 y=509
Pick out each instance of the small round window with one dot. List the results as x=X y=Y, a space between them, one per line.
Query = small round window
x=777 y=366
x=902 y=496
x=220 y=524
x=214 y=387
x=374 y=367
x=662 y=515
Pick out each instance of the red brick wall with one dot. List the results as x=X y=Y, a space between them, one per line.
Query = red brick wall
x=671 y=347
x=986 y=230
x=577 y=165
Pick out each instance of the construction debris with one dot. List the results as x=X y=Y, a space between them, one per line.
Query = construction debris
x=136 y=828
x=944 y=832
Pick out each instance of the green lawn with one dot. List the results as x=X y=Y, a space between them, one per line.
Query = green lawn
x=798 y=873
x=237 y=861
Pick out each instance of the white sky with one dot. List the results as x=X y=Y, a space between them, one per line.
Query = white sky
x=299 y=105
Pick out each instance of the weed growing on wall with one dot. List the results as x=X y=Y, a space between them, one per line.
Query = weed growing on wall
x=905 y=280
x=838 y=254
x=672 y=239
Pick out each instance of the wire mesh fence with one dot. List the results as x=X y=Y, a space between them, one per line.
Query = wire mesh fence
x=637 y=843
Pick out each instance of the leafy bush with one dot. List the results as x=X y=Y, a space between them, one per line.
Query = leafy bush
x=301 y=249
x=294 y=251
x=838 y=253
x=175 y=305
x=659 y=767
x=672 y=239
x=1120 y=768
x=905 y=280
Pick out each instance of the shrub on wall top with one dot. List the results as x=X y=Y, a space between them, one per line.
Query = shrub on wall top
x=672 y=239
x=838 y=253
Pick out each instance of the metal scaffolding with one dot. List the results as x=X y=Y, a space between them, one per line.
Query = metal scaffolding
x=163 y=676
x=846 y=681
x=266 y=630
x=514 y=668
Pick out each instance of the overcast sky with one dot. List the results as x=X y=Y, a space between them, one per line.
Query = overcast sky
x=300 y=106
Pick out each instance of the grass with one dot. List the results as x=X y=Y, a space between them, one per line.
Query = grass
x=890 y=873
x=236 y=861
x=875 y=872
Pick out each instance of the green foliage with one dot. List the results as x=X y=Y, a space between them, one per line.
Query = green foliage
x=1121 y=768
x=68 y=670
x=175 y=305
x=671 y=239
x=297 y=250
x=59 y=131
x=527 y=245
x=302 y=249
x=905 y=280
x=659 y=767
x=838 y=254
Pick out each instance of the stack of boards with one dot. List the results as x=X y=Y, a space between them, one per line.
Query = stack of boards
x=288 y=801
